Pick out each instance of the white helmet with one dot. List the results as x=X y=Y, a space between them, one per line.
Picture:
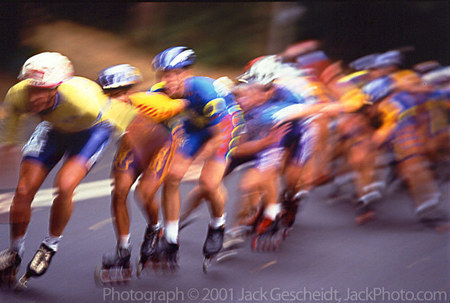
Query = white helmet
x=47 y=70
x=268 y=69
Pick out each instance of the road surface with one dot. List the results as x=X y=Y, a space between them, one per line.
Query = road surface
x=326 y=258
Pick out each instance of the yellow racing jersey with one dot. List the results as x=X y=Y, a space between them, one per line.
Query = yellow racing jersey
x=80 y=104
x=157 y=106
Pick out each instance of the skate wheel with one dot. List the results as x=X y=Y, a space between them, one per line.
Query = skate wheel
x=97 y=276
x=364 y=218
x=206 y=264
x=21 y=284
x=285 y=233
x=255 y=243
x=222 y=256
x=139 y=268
x=102 y=276
x=126 y=274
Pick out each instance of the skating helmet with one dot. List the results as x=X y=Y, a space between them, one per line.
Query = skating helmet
x=389 y=58
x=427 y=66
x=119 y=76
x=47 y=70
x=263 y=71
x=439 y=76
x=364 y=63
x=268 y=69
x=379 y=88
x=251 y=62
x=173 y=58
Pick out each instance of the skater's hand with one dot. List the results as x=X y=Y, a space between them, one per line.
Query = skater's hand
x=277 y=133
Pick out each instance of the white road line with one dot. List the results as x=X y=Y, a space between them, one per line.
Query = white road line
x=100 y=224
x=84 y=191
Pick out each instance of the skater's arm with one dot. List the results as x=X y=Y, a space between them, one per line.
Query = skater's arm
x=252 y=147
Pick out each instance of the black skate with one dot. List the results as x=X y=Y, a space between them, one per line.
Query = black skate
x=233 y=241
x=268 y=235
x=166 y=256
x=213 y=245
x=38 y=265
x=148 y=249
x=115 y=268
x=9 y=266
x=290 y=203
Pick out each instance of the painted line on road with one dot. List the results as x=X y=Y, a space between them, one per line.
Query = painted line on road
x=100 y=224
x=84 y=191
x=421 y=260
x=264 y=266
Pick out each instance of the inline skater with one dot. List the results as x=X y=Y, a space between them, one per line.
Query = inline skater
x=267 y=101
x=78 y=120
x=208 y=125
x=354 y=131
x=118 y=81
x=398 y=107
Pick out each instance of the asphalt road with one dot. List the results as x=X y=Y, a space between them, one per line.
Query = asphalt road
x=326 y=258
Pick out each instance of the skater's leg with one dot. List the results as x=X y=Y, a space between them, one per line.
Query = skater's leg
x=32 y=175
x=67 y=179
x=170 y=189
x=210 y=185
x=122 y=184
x=193 y=200
x=210 y=179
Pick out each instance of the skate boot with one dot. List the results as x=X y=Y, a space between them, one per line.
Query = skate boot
x=213 y=244
x=148 y=248
x=432 y=215
x=38 y=265
x=166 y=255
x=115 y=268
x=268 y=236
x=9 y=265
x=252 y=218
x=364 y=207
x=290 y=203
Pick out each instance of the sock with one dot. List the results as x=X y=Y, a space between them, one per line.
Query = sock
x=217 y=222
x=52 y=242
x=272 y=211
x=155 y=226
x=124 y=241
x=171 y=232
x=18 y=245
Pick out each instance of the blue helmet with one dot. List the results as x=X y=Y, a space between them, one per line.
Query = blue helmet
x=364 y=63
x=389 y=58
x=173 y=58
x=379 y=88
x=119 y=76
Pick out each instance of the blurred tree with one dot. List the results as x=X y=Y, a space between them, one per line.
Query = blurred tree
x=10 y=23
x=352 y=29
x=283 y=25
x=223 y=34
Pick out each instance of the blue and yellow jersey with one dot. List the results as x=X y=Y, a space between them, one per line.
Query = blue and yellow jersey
x=351 y=89
x=209 y=100
x=398 y=110
x=80 y=104
x=259 y=120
